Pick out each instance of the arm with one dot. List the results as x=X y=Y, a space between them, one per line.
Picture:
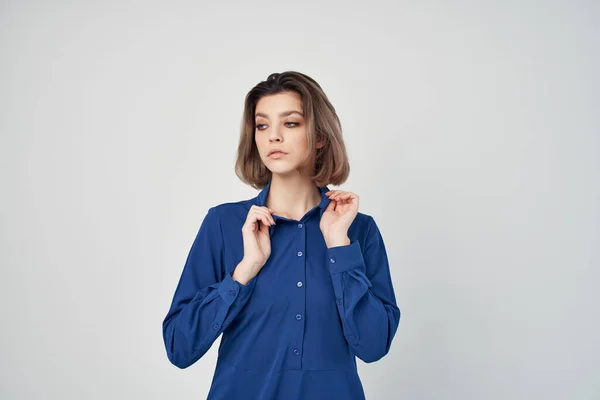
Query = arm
x=365 y=296
x=206 y=299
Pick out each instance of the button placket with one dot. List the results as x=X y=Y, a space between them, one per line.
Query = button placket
x=300 y=303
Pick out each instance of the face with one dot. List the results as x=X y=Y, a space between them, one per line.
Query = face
x=280 y=124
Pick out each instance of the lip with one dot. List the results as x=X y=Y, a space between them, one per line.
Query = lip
x=277 y=153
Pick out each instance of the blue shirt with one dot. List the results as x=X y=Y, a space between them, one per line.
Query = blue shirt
x=294 y=330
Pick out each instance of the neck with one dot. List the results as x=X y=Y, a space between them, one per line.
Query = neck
x=292 y=197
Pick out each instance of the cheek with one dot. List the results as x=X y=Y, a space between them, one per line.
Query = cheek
x=259 y=142
x=301 y=141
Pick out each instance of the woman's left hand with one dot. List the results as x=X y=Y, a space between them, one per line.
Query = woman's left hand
x=338 y=217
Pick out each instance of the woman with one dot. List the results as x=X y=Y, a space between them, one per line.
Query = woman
x=296 y=279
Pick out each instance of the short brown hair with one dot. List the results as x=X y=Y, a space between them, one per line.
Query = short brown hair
x=326 y=165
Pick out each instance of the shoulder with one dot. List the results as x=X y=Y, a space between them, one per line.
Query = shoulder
x=361 y=226
x=365 y=227
x=234 y=209
x=363 y=220
x=223 y=208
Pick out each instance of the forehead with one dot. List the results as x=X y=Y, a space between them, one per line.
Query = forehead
x=273 y=104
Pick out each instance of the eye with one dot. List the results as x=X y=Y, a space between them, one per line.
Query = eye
x=257 y=126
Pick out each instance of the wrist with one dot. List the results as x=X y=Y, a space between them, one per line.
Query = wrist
x=335 y=241
x=243 y=272
x=240 y=277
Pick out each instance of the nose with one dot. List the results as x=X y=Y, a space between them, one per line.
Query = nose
x=274 y=134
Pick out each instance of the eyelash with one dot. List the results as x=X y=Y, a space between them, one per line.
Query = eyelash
x=257 y=125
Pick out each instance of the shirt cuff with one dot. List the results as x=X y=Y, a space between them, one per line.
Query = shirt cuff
x=344 y=258
x=230 y=289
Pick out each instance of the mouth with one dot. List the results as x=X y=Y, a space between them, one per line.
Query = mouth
x=277 y=154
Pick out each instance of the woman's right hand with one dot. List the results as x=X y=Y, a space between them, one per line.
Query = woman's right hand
x=257 y=242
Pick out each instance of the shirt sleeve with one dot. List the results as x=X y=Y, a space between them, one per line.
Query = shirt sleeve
x=206 y=299
x=364 y=294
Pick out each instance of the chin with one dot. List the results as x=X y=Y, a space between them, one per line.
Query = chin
x=281 y=169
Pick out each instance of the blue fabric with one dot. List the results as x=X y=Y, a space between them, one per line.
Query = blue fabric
x=294 y=330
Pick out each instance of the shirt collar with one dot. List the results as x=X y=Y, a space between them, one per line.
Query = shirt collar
x=262 y=197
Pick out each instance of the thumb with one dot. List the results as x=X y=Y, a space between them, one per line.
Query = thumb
x=331 y=206
x=264 y=228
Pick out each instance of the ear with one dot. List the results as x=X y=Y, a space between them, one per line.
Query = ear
x=320 y=143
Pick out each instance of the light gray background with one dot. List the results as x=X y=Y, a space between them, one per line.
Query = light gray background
x=473 y=135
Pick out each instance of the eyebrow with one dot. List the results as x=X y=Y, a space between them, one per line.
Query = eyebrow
x=283 y=114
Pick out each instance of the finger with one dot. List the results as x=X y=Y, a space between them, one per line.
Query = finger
x=266 y=220
x=338 y=194
x=262 y=211
x=264 y=229
x=255 y=207
x=345 y=195
x=269 y=217
x=269 y=213
x=265 y=211
x=255 y=216
x=330 y=206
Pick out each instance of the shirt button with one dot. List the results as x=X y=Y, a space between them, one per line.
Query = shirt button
x=299 y=284
x=332 y=260
x=300 y=226
x=296 y=352
x=215 y=327
x=232 y=292
x=298 y=317
x=339 y=301
x=299 y=254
